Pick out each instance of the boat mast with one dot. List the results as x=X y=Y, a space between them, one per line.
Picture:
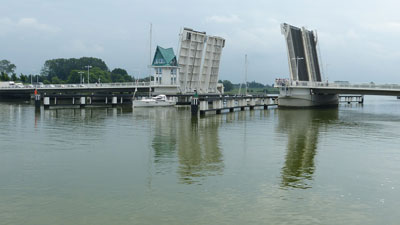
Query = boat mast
x=151 y=27
x=245 y=72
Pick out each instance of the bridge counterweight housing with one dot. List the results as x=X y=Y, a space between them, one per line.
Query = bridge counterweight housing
x=303 y=66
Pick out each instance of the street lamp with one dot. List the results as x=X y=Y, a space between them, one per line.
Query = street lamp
x=297 y=67
x=81 y=72
x=88 y=68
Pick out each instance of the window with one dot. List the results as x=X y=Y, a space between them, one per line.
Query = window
x=188 y=36
x=173 y=79
x=158 y=71
x=173 y=71
x=160 y=61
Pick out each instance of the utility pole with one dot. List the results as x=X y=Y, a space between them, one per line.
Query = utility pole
x=81 y=72
x=88 y=68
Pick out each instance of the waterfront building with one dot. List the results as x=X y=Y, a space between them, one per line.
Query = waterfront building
x=165 y=67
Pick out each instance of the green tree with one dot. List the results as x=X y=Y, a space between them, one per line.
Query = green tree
x=6 y=66
x=24 y=78
x=98 y=75
x=254 y=84
x=4 y=77
x=74 y=77
x=62 y=68
x=56 y=80
x=228 y=86
x=120 y=75
x=14 y=77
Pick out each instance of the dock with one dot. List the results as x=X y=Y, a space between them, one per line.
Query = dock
x=204 y=105
x=351 y=98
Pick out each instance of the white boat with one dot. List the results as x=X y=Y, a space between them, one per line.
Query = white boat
x=159 y=100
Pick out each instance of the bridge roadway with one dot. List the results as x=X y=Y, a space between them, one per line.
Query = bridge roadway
x=27 y=90
x=340 y=88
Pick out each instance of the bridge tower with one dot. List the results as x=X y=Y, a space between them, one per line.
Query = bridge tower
x=304 y=70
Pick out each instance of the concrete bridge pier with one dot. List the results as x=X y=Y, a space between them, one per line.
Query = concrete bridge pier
x=252 y=103
x=217 y=104
x=114 y=101
x=305 y=97
x=82 y=102
x=46 y=102
x=242 y=103
x=265 y=102
x=203 y=107
x=230 y=103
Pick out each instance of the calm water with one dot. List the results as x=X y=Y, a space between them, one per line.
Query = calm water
x=158 y=166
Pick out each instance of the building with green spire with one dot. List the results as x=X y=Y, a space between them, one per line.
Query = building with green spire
x=165 y=67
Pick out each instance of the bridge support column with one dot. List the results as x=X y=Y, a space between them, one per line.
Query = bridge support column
x=46 y=102
x=82 y=102
x=203 y=107
x=230 y=104
x=114 y=101
x=242 y=104
x=252 y=103
x=217 y=104
x=305 y=97
x=361 y=99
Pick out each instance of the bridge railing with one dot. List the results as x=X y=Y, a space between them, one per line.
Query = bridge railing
x=83 y=86
x=308 y=84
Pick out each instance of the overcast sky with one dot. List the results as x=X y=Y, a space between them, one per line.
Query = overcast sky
x=358 y=40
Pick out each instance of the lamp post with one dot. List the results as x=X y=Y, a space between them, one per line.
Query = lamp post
x=297 y=67
x=88 y=68
x=81 y=72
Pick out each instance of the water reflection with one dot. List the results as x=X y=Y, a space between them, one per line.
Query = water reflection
x=165 y=137
x=179 y=140
x=199 y=150
x=302 y=128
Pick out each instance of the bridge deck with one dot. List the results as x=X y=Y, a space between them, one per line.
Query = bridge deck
x=335 y=88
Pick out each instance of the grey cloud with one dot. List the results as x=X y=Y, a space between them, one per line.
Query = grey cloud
x=357 y=41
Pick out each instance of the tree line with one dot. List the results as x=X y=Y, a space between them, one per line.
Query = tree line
x=229 y=86
x=59 y=71
x=74 y=71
